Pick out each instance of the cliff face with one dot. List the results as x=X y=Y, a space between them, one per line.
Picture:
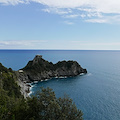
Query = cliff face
x=40 y=69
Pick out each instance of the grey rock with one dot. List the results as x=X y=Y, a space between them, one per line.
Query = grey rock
x=39 y=69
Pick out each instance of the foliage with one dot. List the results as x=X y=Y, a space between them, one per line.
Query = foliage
x=9 y=93
x=47 y=107
x=2 y=68
x=8 y=83
x=66 y=64
x=43 y=106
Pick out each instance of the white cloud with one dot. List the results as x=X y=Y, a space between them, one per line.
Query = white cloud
x=96 y=43
x=12 y=2
x=89 y=10
x=96 y=11
x=105 y=6
x=72 y=16
x=68 y=22
x=97 y=20
x=105 y=19
x=40 y=44
x=20 y=43
x=86 y=45
x=57 y=10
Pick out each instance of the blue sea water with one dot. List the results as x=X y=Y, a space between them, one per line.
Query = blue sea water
x=97 y=93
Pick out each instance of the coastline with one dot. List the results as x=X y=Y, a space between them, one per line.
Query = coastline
x=40 y=69
x=26 y=88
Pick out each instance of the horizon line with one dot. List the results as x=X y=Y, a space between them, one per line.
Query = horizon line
x=66 y=49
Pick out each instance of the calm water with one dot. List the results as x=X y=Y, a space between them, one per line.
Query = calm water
x=97 y=93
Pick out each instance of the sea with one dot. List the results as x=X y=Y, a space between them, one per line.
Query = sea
x=96 y=93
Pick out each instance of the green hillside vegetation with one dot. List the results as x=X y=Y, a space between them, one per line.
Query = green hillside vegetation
x=8 y=82
x=43 y=106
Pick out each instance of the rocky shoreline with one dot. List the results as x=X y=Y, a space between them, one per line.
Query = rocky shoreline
x=39 y=70
x=26 y=87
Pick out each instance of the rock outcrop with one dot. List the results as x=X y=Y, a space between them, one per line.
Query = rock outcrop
x=36 y=70
x=40 y=69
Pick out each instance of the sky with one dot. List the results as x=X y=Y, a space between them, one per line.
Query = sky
x=60 y=24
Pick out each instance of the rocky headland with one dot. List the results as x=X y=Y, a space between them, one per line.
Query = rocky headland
x=39 y=69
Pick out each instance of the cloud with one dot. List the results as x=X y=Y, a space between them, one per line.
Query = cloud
x=68 y=22
x=88 y=10
x=105 y=19
x=105 y=6
x=97 y=20
x=40 y=44
x=91 y=45
x=12 y=2
x=57 y=11
x=95 y=11
x=72 y=16
x=96 y=43
x=20 y=44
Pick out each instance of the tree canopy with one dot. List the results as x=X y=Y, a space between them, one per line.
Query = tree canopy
x=47 y=107
x=43 y=106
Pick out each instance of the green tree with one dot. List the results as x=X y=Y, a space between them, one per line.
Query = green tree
x=45 y=106
x=68 y=109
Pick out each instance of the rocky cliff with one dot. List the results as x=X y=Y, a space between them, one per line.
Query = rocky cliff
x=40 y=69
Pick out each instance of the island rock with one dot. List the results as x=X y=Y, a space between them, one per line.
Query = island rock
x=39 y=69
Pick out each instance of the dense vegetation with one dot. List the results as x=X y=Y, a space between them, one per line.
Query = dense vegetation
x=8 y=82
x=43 y=106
